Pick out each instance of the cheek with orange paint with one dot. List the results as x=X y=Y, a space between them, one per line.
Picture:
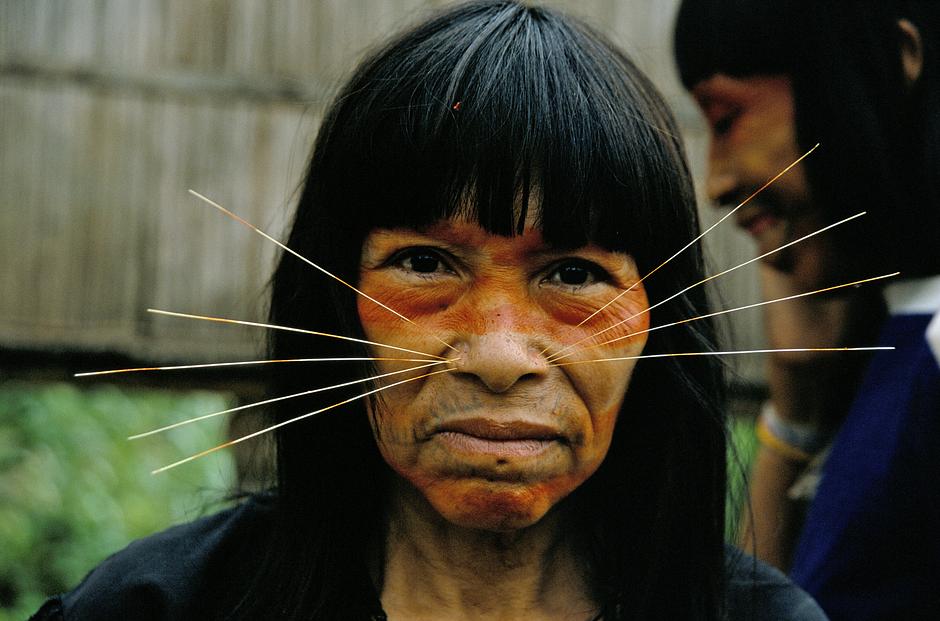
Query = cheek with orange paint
x=421 y=307
x=417 y=303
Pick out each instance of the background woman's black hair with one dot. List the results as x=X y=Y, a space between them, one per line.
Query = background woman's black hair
x=476 y=112
x=880 y=140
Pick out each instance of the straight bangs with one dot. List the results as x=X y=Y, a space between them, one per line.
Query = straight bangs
x=734 y=37
x=507 y=115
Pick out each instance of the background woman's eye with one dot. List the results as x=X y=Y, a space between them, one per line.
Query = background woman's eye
x=577 y=274
x=724 y=124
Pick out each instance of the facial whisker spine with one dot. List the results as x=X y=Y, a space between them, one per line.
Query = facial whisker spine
x=285 y=248
x=210 y=365
x=281 y=398
x=269 y=326
x=730 y=310
x=289 y=421
x=557 y=354
x=691 y=243
x=722 y=353
x=701 y=235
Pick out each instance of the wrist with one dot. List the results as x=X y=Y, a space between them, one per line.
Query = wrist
x=798 y=442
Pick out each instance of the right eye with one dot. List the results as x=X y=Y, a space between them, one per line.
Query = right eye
x=723 y=124
x=421 y=261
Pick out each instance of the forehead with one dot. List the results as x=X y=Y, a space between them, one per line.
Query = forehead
x=463 y=234
x=721 y=88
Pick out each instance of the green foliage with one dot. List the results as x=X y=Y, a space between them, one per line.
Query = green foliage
x=741 y=450
x=73 y=489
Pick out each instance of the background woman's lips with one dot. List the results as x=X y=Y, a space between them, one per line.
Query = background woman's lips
x=756 y=221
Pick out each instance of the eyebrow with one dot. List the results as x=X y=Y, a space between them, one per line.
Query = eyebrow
x=453 y=242
x=424 y=238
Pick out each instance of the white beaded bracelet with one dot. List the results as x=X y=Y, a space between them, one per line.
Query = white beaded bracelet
x=796 y=441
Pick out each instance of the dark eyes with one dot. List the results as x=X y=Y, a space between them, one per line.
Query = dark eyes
x=569 y=273
x=723 y=124
x=420 y=261
x=424 y=262
x=577 y=273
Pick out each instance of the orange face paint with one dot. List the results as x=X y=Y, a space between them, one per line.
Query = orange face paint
x=502 y=439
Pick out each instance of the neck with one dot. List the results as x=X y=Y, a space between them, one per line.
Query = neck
x=436 y=570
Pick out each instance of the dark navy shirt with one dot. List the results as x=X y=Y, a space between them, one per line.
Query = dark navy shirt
x=174 y=575
x=870 y=546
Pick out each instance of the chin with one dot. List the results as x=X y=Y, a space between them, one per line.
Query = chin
x=807 y=270
x=815 y=272
x=492 y=505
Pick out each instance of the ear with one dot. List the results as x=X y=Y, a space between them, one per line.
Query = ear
x=912 y=51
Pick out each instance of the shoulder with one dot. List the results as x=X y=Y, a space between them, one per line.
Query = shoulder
x=166 y=575
x=758 y=591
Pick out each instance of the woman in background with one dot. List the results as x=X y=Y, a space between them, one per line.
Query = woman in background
x=863 y=80
x=496 y=174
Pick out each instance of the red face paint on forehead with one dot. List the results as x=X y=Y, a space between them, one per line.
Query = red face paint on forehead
x=505 y=436
x=463 y=237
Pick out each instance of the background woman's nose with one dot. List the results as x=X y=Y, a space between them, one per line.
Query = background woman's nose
x=500 y=360
x=721 y=185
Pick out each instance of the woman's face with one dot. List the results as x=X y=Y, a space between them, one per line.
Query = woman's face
x=753 y=137
x=497 y=442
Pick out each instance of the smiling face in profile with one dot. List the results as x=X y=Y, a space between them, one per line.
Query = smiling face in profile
x=753 y=137
x=497 y=442
x=752 y=124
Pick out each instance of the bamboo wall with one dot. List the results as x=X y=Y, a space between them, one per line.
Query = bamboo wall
x=111 y=109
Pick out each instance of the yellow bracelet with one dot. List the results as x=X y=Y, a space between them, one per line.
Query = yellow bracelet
x=768 y=439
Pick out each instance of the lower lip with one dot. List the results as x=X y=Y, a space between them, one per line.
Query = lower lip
x=465 y=443
x=760 y=224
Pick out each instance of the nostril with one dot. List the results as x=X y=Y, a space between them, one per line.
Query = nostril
x=528 y=376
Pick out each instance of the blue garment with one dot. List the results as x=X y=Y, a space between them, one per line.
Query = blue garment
x=870 y=547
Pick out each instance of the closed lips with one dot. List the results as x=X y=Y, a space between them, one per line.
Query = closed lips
x=501 y=440
x=500 y=431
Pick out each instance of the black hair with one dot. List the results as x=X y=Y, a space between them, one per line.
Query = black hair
x=880 y=138
x=465 y=114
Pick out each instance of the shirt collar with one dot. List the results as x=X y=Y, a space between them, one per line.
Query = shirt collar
x=914 y=296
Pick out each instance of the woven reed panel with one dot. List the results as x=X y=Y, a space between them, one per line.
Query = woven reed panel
x=111 y=109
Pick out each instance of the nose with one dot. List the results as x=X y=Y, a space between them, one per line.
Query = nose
x=721 y=184
x=501 y=360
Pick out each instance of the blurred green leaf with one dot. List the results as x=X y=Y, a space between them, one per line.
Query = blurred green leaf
x=741 y=450
x=73 y=489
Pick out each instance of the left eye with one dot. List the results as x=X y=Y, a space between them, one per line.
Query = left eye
x=577 y=273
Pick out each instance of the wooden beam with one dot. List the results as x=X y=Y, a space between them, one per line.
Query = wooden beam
x=180 y=84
